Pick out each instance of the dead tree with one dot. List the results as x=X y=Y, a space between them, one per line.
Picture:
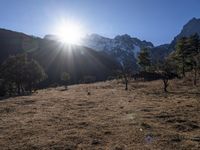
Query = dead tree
x=126 y=71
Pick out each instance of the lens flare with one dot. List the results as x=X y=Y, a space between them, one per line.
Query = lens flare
x=69 y=32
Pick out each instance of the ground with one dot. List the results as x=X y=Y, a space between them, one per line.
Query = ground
x=103 y=116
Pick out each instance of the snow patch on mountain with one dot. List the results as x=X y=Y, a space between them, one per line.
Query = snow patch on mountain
x=123 y=42
x=122 y=47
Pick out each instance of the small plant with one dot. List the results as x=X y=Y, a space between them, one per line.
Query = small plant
x=65 y=77
x=125 y=71
x=88 y=91
x=144 y=60
x=89 y=79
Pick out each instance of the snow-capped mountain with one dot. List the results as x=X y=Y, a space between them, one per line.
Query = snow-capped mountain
x=123 y=42
x=122 y=47
x=97 y=42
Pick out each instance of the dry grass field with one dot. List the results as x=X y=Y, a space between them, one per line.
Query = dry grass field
x=103 y=116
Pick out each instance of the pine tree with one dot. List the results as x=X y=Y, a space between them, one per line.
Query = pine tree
x=181 y=54
x=13 y=71
x=166 y=71
x=144 y=59
x=194 y=47
x=19 y=73
x=34 y=74
x=65 y=77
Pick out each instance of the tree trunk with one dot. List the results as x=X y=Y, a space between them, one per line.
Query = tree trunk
x=18 y=89
x=30 y=88
x=183 y=71
x=126 y=82
x=10 y=89
x=195 y=76
x=183 y=68
x=22 y=89
x=165 y=81
x=196 y=64
x=126 y=85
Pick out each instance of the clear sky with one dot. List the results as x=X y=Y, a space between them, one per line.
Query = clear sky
x=157 y=21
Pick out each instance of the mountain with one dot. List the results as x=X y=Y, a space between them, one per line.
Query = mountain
x=98 y=57
x=51 y=37
x=158 y=53
x=124 y=42
x=121 y=47
x=56 y=57
x=190 y=28
x=79 y=61
x=12 y=43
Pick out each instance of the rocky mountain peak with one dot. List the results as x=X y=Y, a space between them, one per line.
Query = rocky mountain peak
x=192 y=27
x=122 y=37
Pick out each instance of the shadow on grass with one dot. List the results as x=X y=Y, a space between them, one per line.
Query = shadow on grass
x=14 y=96
x=162 y=93
x=64 y=89
x=183 y=93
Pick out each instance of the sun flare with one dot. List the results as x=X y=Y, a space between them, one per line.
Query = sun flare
x=70 y=33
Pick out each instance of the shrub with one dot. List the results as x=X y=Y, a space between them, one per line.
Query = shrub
x=89 y=79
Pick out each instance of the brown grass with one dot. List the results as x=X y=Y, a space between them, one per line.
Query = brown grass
x=108 y=118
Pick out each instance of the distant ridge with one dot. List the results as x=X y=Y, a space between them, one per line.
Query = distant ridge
x=57 y=58
x=190 y=28
x=107 y=52
x=12 y=42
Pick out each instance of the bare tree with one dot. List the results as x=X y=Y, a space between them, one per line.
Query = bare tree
x=166 y=72
x=126 y=71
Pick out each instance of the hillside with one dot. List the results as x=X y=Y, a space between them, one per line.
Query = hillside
x=190 y=28
x=56 y=57
x=79 y=61
x=107 y=118
x=121 y=47
x=124 y=42
x=12 y=43
x=100 y=60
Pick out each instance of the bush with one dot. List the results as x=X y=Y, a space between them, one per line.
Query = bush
x=2 y=88
x=111 y=78
x=21 y=74
x=65 y=77
x=89 y=79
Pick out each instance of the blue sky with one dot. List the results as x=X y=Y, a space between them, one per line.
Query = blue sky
x=157 y=21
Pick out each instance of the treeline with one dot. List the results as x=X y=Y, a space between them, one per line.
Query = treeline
x=66 y=78
x=20 y=75
x=185 y=58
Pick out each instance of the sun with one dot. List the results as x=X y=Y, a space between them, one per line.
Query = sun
x=69 y=33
